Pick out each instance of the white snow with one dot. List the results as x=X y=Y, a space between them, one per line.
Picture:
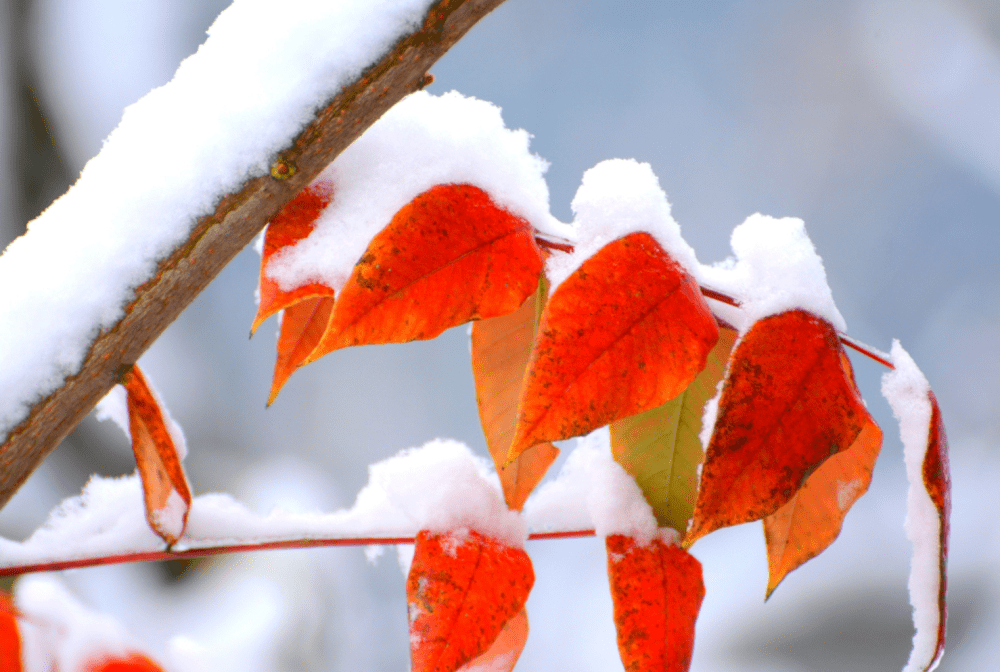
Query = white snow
x=441 y=486
x=230 y=107
x=423 y=141
x=618 y=197
x=906 y=389
x=775 y=268
x=592 y=491
x=59 y=633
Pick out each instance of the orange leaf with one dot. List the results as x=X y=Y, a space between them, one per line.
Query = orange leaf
x=461 y=593
x=302 y=325
x=164 y=485
x=500 y=350
x=295 y=222
x=624 y=333
x=506 y=649
x=937 y=481
x=449 y=256
x=131 y=662
x=657 y=591
x=786 y=406
x=10 y=637
x=803 y=528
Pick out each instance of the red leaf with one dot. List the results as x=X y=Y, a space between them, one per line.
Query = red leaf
x=803 y=528
x=449 y=256
x=500 y=350
x=295 y=222
x=302 y=325
x=624 y=333
x=506 y=649
x=657 y=591
x=786 y=407
x=131 y=662
x=164 y=485
x=461 y=593
x=10 y=637
x=937 y=481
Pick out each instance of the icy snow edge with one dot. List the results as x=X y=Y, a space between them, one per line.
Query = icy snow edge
x=906 y=389
x=244 y=95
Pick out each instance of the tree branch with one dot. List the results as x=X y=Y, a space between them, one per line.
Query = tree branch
x=217 y=238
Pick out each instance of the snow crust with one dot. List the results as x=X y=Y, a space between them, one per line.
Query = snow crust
x=618 y=197
x=774 y=268
x=230 y=107
x=906 y=389
x=59 y=633
x=423 y=141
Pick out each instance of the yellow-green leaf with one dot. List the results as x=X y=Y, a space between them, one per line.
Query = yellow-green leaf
x=660 y=448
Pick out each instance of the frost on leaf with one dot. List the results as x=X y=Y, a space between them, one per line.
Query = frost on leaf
x=928 y=504
x=306 y=308
x=625 y=332
x=294 y=223
x=500 y=350
x=165 y=488
x=461 y=591
x=449 y=256
x=787 y=405
x=660 y=448
x=803 y=528
x=657 y=591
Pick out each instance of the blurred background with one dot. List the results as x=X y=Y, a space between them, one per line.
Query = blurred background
x=877 y=122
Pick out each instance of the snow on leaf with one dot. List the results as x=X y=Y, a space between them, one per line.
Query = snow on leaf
x=10 y=638
x=803 y=528
x=657 y=591
x=302 y=326
x=786 y=406
x=130 y=662
x=294 y=223
x=625 y=332
x=165 y=489
x=461 y=592
x=500 y=350
x=928 y=504
x=506 y=649
x=660 y=448
x=449 y=256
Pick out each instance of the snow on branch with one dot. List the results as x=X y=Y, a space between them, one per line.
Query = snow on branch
x=194 y=170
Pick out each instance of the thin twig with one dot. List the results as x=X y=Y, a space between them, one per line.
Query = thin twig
x=208 y=551
x=866 y=350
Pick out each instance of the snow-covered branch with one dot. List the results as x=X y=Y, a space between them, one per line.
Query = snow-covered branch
x=192 y=173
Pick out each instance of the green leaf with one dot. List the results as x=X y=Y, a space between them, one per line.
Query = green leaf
x=660 y=448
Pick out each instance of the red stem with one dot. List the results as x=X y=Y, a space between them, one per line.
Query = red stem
x=157 y=556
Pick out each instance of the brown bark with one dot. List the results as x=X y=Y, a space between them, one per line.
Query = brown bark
x=217 y=238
